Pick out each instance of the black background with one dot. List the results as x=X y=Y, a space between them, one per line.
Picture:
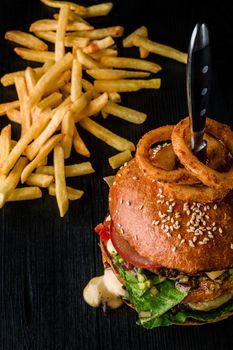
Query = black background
x=46 y=261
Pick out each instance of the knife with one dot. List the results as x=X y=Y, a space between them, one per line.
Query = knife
x=198 y=87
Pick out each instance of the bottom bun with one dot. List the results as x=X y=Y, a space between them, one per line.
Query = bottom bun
x=107 y=262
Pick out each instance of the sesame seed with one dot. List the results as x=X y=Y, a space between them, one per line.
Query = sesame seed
x=208 y=207
x=162 y=226
x=164 y=220
x=114 y=183
x=122 y=231
x=125 y=163
x=188 y=212
x=128 y=203
x=119 y=225
x=172 y=220
x=207 y=217
x=116 y=211
x=155 y=222
x=119 y=175
x=121 y=201
x=134 y=178
x=160 y=190
x=167 y=202
x=201 y=243
x=169 y=235
x=215 y=206
x=179 y=236
x=214 y=228
x=171 y=228
x=153 y=180
x=191 y=244
x=194 y=239
x=182 y=241
x=231 y=245
x=136 y=237
x=174 y=249
x=205 y=240
x=211 y=236
x=121 y=167
x=220 y=230
x=213 y=224
x=140 y=207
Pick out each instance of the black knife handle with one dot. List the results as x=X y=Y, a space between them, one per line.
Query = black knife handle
x=199 y=77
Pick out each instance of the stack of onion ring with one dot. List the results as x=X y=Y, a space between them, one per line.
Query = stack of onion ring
x=190 y=179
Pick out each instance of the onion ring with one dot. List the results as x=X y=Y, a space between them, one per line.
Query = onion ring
x=209 y=177
x=181 y=175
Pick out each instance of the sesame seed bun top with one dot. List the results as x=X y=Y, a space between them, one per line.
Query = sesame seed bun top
x=187 y=236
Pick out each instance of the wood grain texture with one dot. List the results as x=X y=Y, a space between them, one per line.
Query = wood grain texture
x=46 y=261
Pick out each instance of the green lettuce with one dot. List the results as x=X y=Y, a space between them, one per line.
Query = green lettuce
x=157 y=308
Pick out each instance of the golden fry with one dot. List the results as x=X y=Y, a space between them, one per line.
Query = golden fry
x=69 y=40
x=60 y=33
x=73 y=193
x=108 y=74
x=5 y=107
x=60 y=180
x=76 y=80
x=100 y=33
x=133 y=63
x=86 y=60
x=24 y=194
x=52 y=24
x=81 y=10
x=11 y=181
x=26 y=40
x=105 y=52
x=67 y=130
x=5 y=143
x=93 y=107
x=160 y=49
x=70 y=170
x=79 y=145
x=21 y=145
x=106 y=135
x=14 y=116
x=125 y=113
x=30 y=78
x=98 y=45
x=34 y=55
x=98 y=10
x=123 y=85
x=40 y=180
x=21 y=88
x=119 y=159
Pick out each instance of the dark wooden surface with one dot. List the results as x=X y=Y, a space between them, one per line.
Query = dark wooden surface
x=46 y=261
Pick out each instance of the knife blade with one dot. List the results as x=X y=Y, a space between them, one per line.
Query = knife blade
x=198 y=87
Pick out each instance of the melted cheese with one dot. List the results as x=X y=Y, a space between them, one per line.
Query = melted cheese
x=104 y=288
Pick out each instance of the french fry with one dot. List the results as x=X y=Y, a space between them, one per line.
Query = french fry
x=114 y=97
x=47 y=80
x=105 y=52
x=60 y=33
x=69 y=41
x=67 y=129
x=34 y=55
x=100 y=33
x=79 y=145
x=60 y=180
x=106 y=135
x=81 y=10
x=30 y=78
x=133 y=63
x=73 y=193
x=5 y=143
x=44 y=151
x=141 y=31
x=125 y=113
x=11 y=181
x=52 y=24
x=27 y=40
x=123 y=85
x=160 y=49
x=99 y=45
x=80 y=104
x=51 y=101
x=22 y=92
x=21 y=145
x=76 y=80
x=119 y=159
x=24 y=194
x=128 y=41
x=14 y=116
x=9 y=78
x=64 y=78
x=43 y=162
x=70 y=170
x=65 y=89
x=86 y=60
x=109 y=180
x=98 y=10
x=102 y=73
x=5 y=107
x=92 y=108
x=49 y=130
x=40 y=180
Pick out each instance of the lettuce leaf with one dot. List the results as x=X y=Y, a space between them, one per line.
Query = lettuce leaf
x=155 y=305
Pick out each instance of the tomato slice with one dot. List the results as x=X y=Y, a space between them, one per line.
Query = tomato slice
x=128 y=253
x=103 y=231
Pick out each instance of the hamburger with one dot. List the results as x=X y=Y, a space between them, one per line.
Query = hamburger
x=169 y=234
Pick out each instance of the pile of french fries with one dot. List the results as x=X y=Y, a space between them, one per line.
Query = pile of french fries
x=55 y=99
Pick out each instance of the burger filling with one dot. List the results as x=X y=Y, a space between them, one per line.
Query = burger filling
x=162 y=296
